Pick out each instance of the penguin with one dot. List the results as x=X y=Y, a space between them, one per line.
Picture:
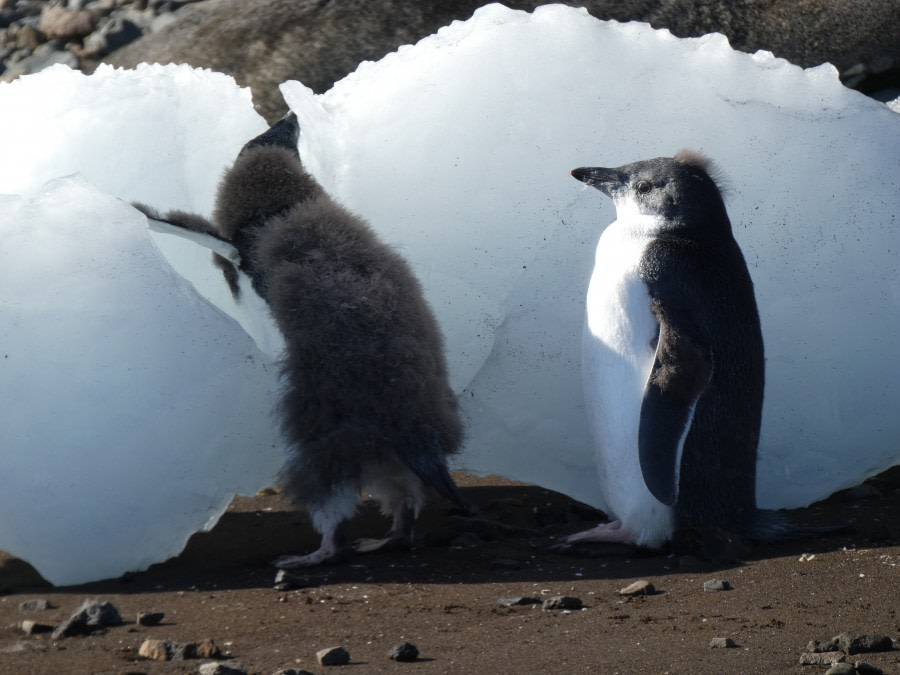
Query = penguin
x=672 y=360
x=366 y=404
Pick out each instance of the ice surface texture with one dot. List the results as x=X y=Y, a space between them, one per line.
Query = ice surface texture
x=457 y=150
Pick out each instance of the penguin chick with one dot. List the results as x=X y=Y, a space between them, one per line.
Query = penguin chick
x=672 y=359
x=366 y=402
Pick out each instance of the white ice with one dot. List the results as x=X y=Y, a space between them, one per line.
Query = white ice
x=457 y=150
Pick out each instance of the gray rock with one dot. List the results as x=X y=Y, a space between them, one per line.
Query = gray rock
x=823 y=645
x=217 y=668
x=43 y=57
x=722 y=643
x=114 y=34
x=90 y=616
x=716 y=585
x=641 y=587
x=333 y=656
x=562 y=602
x=58 y=22
x=841 y=669
x=150 y=618
x=35 y=605
x=863 y=668
x=821 y=658
x=405 y=651
x=155 y=650
x=519 y=600
x=867 y=642
x=164 y=650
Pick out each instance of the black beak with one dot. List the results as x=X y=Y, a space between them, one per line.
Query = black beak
x=599 y=177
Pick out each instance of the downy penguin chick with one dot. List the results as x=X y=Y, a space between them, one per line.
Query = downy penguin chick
x=672 y=359
x=366 y=403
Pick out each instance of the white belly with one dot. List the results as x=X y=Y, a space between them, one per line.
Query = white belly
x=617 y=355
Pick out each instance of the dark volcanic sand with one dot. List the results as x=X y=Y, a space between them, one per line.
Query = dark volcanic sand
x=444 y=599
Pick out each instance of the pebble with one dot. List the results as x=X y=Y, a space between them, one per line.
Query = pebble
x=90 y=616
x=33 y=627
x=36 y=605
x=164 y=650
x=520 y=600
x=217 y=668
x=150 y=618
x=859 y=644
x=716 y=585
x=821 y=658
x=641 y=587
x=822 y=645
x=333 y=656
x=405 y=651
x=562 y=602
x=722 y=643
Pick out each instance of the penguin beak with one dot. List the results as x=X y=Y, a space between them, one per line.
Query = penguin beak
x=605 y=180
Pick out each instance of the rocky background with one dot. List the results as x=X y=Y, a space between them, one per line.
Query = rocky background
x=265 y=42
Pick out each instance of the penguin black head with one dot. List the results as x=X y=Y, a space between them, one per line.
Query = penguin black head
x=681 y=191
x=267 y=179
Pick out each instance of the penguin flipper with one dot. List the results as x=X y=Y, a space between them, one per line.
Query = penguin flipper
x=682 y=369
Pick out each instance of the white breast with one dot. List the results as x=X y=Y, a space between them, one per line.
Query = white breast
x=617 y=355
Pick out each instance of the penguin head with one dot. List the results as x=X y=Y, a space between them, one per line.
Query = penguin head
x=676 y=192
x=267 y=179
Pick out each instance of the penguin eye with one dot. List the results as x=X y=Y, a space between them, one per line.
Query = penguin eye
x=644 y=187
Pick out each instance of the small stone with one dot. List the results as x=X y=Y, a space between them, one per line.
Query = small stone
x=821 y=658
x=520 y=600
x=36 y=605
x=205 y=649
x=638 y=588
x=57 y=22
x=722 y=643
x=863 y=668
x=333 y=656
x=504 y=564
x=155 y=650
x=859 y=644
x=150 y=618
x=562 y=602
x=216 y=668
x=716 y=585
x=841 y=669
x=405 y=651
x=33 y=627
x=823 y=645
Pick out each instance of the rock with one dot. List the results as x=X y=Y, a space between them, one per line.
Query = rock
x=821 y=658
x=859 y=644
x=841 y=669
x=638 y=588
x=716 y=585
x=155 y=650
x=519 y=600
x=89 y=617
x=405 y=651
x=30 y=627
x=863 y=668
x=36 y=605
x=216 y=668
x=114 y=34
x=150 y=618
x=164 y=650
x=43 y=57
x=562 y=602
x=57 y=22
x=333 y=656
x=818 y=646
x=722 y=643
x=285 y=581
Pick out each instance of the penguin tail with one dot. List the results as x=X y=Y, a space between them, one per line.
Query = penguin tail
x=772 y=526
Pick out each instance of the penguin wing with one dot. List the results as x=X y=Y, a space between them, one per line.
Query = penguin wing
x=682 y=369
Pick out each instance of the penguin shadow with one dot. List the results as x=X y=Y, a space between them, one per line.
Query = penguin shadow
x=507 y=536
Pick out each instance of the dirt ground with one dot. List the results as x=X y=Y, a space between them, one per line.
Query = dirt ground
x=443 y=597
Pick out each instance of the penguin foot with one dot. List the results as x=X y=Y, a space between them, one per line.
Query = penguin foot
x=320 y=556
x=605 y=533
x=391 y=542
